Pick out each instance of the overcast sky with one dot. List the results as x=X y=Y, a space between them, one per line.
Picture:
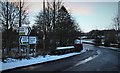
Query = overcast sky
x=89 y=14
x=93 y=15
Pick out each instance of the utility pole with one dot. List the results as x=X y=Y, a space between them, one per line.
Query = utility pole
x=54 y=14
x=118 y=24
x=118 y=15
x=19 y=47
x=44 y=29
x=20 y=15
x=118 y=29
x=7 y=16
x=53 y=22
x=7 y=34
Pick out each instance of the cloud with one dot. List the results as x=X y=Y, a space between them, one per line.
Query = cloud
x=71 y=0
x=90 y=0
x=79 y=8
x=83 y=10
x=35 y=6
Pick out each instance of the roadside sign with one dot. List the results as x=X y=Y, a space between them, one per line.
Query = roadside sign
x=32 y=40
x=24 y=30
x=26 y=40
x=23 y=40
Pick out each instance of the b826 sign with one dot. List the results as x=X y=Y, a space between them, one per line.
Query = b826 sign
x=32 y=40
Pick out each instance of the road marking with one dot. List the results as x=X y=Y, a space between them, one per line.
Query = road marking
x=88 y=59
x=85 y=61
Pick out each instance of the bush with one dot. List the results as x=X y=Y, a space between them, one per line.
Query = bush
x=97 y=41
x=110 y=38
x=106 y=43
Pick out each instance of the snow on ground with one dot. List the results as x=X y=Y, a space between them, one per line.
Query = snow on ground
x=91 y=41
x=39 y=59
x=87 y=40
x=13 y=63
x=68 y=47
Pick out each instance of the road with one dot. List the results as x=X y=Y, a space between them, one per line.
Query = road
x=95 y=59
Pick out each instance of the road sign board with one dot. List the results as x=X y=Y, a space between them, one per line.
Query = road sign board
x=24 y=40
x=24 y=30
x=32 y=40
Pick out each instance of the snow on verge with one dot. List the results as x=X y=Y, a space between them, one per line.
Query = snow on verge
x=39 y=59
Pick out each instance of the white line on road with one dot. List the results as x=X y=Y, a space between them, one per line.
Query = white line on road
x=86 y=60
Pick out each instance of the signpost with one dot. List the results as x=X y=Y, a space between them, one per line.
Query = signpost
x=32 y=40
x=25 y=40
x=24 y=30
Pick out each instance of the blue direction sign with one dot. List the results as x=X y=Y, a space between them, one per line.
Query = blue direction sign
x=32 y=40
x=27 y=40
x=24 y=40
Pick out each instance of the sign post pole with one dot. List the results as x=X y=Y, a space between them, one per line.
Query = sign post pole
x=33 y=41
x=26 y=40
x=35 y=51
x=24 y=32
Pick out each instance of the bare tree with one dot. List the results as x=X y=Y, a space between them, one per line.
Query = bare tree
x=46 y=21
x=13 y=13
x=53 y=17
x=116 y=23
x=9 y=18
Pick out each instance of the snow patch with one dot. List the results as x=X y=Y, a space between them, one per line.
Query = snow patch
x=39 y=59
x=87 y=40
x=109 y=47
x=14 y=63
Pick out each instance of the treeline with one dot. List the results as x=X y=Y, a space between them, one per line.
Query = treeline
x=106 y=37
x=11 y=15
x=56 y=25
